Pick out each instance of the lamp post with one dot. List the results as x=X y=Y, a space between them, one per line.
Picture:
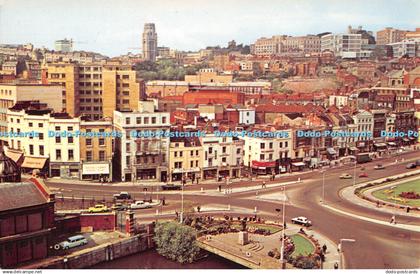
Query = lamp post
x=323 y=186
x=340 y=248
x=354 y=173
x=283 y=263
x=395 y=203
x=181 y=219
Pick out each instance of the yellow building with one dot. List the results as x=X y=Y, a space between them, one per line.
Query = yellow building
x=208 y=76
x=96 y=149
x=185 y=158
x=121 y=90
x=66 y=75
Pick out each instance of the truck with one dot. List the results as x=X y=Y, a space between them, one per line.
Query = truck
x=363 y=158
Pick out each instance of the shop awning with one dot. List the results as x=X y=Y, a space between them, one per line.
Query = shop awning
x=33 y=162
x=330 y=150
x=392 y=144
x=380 y=145
x=14 y=155
x=353 y=148
x=406 y=140
x=259 y=164
x=298 y=164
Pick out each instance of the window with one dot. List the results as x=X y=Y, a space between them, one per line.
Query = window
x=71 y=154
x=224 y=159
x=163 y=120
x=88 y=155
x=191 y=163
x=58 y=154
x=196 y=153
x=101 y=141
x=210 y=150
x=176 y=154
x=238 y=151
x=153 y=120
x=138 y=120
x=41 y=136
x=127 y=160
x=223 y=149
x=127 y=147
x=181 y=154
x=57 y=139
x=262 y=145
x=196 y=163
x=281 y=144
x=57 y=128
x=31 y=124
x=285 y=144
x=31 y=149
x=270 y=145
x=41 y=150
x=127 y=120
x=262 y=157
x=192 y=153
x=70 y=128
x=70 y=140
x=146 y=120
x=101 y=155
x=88 y=142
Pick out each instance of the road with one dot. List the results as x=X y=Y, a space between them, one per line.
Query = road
x=376 y=246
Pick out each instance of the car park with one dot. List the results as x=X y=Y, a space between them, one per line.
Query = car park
x=98 y=209
x=73 y=241
x=301 y=221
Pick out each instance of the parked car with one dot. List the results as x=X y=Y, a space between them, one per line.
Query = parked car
x=301 y=221
x=122 y=196
x=379 y=166
x=73 y=241
x=411 y=165
x=119 y=207
x=171 y=187
x=98 y=209
x=140 y=205
x=345 y=176
x=363 y=175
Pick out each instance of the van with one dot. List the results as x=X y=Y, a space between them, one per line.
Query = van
x=73 y=241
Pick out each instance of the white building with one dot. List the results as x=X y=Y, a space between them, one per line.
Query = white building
x=343 y=45
x=265 y=155
x=53 y=139
x=142 y=149
x=338 y=100
x=407 y=47
x=364 y=122
x=64 y=45
x=223 y=156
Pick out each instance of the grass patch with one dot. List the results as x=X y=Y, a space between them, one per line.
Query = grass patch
x=302 y=246
x=273 y=229
x=387 y=194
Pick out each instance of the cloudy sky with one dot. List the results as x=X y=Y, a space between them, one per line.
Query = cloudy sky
x=115 y=27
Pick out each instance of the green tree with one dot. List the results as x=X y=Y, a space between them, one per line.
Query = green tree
x=176 y=242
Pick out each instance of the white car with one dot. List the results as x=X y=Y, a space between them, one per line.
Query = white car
x=74 y=241
x=301 y=221
x=140 y=205
x=345 y=176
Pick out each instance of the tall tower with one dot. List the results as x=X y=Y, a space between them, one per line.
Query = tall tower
x=149 y=42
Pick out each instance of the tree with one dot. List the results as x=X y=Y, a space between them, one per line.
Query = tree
x=176 y=242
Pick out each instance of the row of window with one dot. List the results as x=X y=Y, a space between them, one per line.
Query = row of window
x=145 y=120
x=6 y=92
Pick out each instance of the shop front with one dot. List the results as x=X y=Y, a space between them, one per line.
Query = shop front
x=96 y=171
x=31 y=163
x=263 y=168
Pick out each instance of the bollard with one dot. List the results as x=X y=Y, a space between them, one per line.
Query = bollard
x=255 y=209
x=202 y=190
x=228 y=207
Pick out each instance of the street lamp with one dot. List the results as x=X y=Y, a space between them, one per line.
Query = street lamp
x=340 y=248
x=323 y=186
x=395 y=203
x=283 y=230
x=354 y=173
x=181 y=219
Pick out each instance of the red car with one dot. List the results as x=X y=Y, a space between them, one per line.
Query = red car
x=363 y=175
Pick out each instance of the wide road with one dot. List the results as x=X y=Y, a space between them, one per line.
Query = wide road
x=376 y=246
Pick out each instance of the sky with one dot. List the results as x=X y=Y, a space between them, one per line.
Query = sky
x=115 y=27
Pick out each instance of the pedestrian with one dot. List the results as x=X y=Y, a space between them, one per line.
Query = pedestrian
x=263 y=185
x=336 y=265
x=220 y=188
x=163 y=200
x=393 y=219
x=408 y=209
x=324 y=248
x=198 y=209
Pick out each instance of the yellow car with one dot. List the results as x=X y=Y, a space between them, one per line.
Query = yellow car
x=98 y=209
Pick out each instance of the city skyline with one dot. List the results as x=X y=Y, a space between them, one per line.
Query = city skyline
x=179 y=26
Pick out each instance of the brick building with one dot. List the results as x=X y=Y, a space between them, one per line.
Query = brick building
x=213 y=95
